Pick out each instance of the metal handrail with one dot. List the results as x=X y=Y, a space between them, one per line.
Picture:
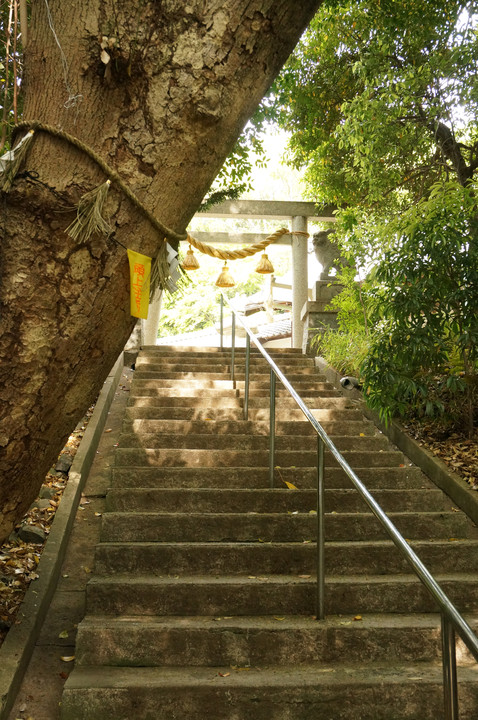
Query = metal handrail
x=451 y=619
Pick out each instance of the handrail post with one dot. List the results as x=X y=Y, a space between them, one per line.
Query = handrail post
x=449 y=669
x=233 y=345
x=246 y=377
x=272 y=428
x=320 y=610
x=222 y=322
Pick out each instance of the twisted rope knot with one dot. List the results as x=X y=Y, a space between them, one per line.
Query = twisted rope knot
x=237 y=254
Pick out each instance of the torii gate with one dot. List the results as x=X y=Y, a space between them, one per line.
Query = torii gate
x=297 y=213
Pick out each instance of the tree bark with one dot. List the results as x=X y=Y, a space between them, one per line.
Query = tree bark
x=182 y=80
x=449 y=146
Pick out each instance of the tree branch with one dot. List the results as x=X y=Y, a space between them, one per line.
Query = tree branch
x=445 y=139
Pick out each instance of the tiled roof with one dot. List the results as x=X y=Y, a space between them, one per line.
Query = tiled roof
x=280 y=328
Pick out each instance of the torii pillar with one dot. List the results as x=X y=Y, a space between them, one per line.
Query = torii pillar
x=149 y=327
x=300 y=281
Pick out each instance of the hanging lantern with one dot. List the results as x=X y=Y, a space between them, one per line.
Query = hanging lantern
x=225 y=279
x=265 y=266
x=190 y=262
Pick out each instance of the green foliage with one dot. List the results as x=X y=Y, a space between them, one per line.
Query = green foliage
x=381 y=99
x=372 y=95
x=352 y=302
x=424 y=310
x=237 y=169
x=346 y=348
x=218 y=196
x=197 y=306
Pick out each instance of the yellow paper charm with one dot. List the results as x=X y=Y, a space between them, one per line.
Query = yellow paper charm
x=139 y=273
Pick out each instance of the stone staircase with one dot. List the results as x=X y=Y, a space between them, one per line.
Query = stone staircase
x=203 y=599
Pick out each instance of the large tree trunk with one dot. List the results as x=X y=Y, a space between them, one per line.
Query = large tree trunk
x=183 y=79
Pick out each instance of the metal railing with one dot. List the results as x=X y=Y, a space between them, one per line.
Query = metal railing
x=451 y=619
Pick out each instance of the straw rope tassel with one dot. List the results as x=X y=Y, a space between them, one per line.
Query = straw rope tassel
x=190 y=261
x=89 y=217
x=265 y=266
x=225 y=278
x=160 y=272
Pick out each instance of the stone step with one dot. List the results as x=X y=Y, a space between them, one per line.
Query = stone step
x=272 y=595
x=217 y=381
x=209 y=373
x=298 y=693
x=260 y=558
x=301 y=389
x=209 y=397
x=225 y=441
x=194 y=351
x=224 y=358
x=313 y=403
x=266 y=500
x=243 y=477
x=222 y=379
x=257 y=369
x=212 y=399
x=148 y=408
x=299 y=381
x=277 y=527
x=129 y=457
x=203 y=387
x=191 y=390
x=203 y=599
x=247 y=641
x=239 y=427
